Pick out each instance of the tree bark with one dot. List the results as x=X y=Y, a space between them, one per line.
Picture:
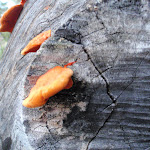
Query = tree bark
x=108 y=106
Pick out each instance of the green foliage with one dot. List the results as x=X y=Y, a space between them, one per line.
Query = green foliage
x=3 y=41
x=16 y=1
x=3 y=7
x=3 y=36
x=2 y=47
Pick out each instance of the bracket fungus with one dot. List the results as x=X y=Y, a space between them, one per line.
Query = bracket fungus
x=36 y=42
x=10 y=17
x=49 y=84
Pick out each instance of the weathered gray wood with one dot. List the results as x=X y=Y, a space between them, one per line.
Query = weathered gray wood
x=108 y=105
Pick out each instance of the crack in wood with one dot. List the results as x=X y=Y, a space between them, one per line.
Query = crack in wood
x=102 y=76
x=41 y=146
x=49 y=130
x=92 y=139
x=92 y=32
x=113 y=104
x=38 y=127
x=110 y=105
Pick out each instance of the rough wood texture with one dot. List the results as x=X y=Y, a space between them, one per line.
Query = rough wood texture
x=108 y=106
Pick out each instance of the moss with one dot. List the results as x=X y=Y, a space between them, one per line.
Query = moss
x=4 y=37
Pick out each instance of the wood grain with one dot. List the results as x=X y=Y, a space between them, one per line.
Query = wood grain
x=108 y=106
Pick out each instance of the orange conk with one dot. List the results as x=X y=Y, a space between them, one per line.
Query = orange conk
x=10 y=17
x=36 y=42
x=23 y=2
x=49 y=84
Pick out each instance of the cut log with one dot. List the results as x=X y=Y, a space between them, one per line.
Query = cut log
x=108 y=106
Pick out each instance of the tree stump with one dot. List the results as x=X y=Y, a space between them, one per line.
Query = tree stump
x=109 y=103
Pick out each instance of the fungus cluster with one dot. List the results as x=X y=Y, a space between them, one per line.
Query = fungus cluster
x=50 y=83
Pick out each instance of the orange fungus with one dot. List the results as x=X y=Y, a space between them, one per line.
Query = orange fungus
x=36 y=42
x=49 y=84
x=10 y=17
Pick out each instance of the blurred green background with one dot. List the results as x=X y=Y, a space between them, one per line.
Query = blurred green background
x=4 y=36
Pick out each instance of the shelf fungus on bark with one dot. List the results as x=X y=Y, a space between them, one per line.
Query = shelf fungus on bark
x=36 y=42
x=10 y=17
x=49 y=84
